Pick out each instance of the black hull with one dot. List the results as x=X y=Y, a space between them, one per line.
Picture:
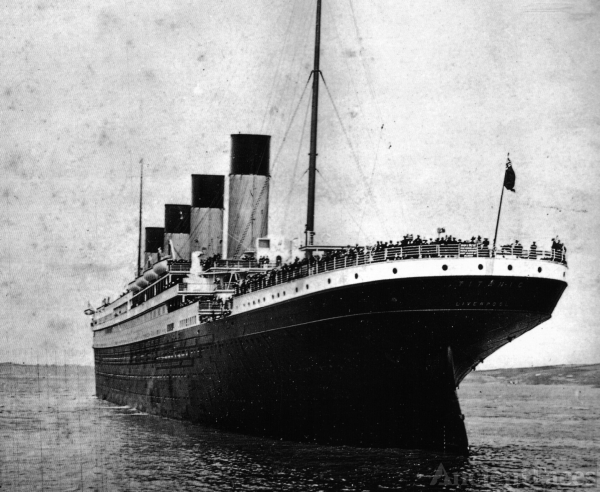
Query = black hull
x=371 y=364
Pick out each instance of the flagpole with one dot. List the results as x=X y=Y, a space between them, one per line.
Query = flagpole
x=498 y=219
x=139 y=262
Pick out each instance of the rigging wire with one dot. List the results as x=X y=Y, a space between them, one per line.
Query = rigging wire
x=337 y=113
x=350 y=72
x=344 y=199
x=356 y=92
x=193 y=232
x=370 y=185
x=299 y=49
x=356 y=161
x=289 y=195
x=276 y=75
x=370 y=84
x=285 y=135
x=367 y=73
x=251 y=221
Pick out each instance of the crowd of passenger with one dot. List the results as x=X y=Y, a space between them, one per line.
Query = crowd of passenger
x=407 y=248
x=410 y=240
x=210 y=261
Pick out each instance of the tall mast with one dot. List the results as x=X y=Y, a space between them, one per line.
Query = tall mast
x=312 y=164
x=139 y=269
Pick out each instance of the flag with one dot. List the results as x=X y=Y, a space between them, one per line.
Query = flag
x=441 y=230
x=509 y=176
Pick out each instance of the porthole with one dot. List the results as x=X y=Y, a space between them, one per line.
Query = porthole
x=307 y=286
x=328 y=280
x=356 y=275
x=444 y=267
x=510 y=267
x=264 y=299
x=277 y=294
x=480 y=266
x=284 y=292
x=273 y=296
x=395 y=271
x=296 y=289
x=540 y=269
x=564 y=274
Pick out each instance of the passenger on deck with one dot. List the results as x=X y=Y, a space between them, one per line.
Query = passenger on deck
x=533 y=251
x=518 y=248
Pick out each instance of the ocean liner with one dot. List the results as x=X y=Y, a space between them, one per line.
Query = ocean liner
x=362 y=346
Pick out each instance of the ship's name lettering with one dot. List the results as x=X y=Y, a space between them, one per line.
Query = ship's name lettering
x=487 y=284
x=481 y=304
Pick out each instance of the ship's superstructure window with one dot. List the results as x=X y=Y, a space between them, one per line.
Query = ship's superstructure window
x=480 y=266
x=192 y=320
x=155 y=313
x=121 y=309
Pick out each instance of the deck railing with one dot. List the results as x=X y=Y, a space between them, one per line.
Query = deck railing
x=352 y=258
x=243 y=264
x=183 y=266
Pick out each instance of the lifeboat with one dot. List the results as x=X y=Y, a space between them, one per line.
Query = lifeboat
x=160 y=268
x=150 y=275
x=142 y=283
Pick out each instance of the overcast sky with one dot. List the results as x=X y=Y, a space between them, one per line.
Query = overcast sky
x=431 y=97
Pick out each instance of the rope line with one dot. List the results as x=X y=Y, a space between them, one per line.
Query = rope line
x=356 y=161
x=285 y=135
x=257 y=201
x=345 y=199
x=275 y=77
x=289 y=195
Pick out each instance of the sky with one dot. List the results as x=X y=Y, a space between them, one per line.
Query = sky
x=423 y=100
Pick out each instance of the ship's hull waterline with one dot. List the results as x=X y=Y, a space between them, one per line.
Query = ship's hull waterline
x=372 y=364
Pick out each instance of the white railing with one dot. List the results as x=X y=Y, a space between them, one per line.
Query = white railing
x=352 y=258
x=200 y=288
x=243 y=264
x=180 y=267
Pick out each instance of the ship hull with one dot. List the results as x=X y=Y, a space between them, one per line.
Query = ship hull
x=371 y=365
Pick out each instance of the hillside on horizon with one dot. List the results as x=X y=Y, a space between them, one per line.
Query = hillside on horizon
x=585 y=374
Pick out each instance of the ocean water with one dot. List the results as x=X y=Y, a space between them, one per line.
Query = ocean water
x=56 y=436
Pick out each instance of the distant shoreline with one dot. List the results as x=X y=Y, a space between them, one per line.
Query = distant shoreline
x=567 y=374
